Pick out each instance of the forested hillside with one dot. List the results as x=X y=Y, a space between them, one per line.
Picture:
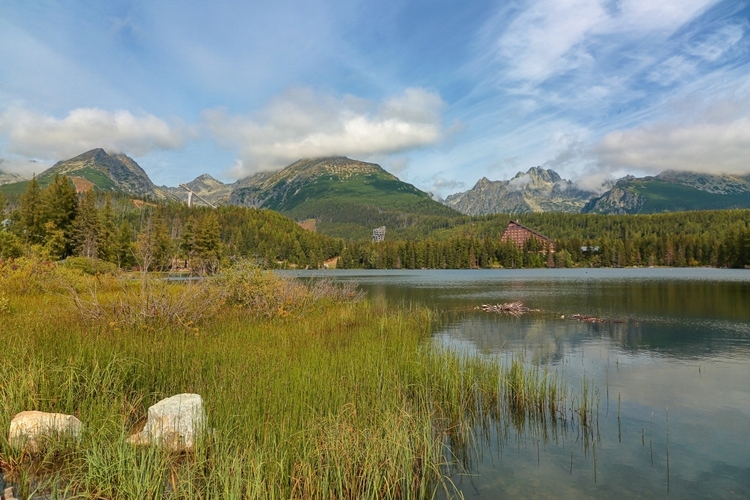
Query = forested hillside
x=57 y=222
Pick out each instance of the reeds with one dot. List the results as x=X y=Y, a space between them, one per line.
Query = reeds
x=341 y=400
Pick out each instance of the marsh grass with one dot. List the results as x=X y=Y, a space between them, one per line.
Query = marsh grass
x=311 y=398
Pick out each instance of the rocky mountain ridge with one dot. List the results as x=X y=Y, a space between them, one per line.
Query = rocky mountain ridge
x=108 y=172
x=672 y=191
x=537 y=190
x=336 y=188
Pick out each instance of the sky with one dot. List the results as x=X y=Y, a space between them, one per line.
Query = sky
x=440 y=93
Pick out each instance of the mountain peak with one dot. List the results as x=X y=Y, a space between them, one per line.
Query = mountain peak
x=207 y=177
x=536 y=190
x=117 y=172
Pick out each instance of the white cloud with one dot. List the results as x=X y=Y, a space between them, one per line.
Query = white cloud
x=441 y=184
x=711 y=147
x=716 y=44
x=23 y=167
x=301 y=123
x=520 y=182
x=542 y=39
x=44 y=137
x=672 y=71
x=552 y=37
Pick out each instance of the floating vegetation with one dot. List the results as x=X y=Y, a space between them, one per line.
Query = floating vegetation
x=513 y=308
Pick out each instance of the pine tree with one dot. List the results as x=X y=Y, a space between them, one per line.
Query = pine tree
x=32 y=224
x=124 y=247
x=86 y=227
x=187 y=241
x=108 y=233
x=56 y=244
x=154 y=247
x=208 y=244
x=60 y=206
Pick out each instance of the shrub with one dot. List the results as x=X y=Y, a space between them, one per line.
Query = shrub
x=262 y=293
x=90 y=266
x=25 y=276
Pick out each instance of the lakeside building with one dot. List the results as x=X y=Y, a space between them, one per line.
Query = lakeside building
x=520 y=234
x=378 y=234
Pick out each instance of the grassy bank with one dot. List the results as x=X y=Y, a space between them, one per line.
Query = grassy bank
x=336 y=399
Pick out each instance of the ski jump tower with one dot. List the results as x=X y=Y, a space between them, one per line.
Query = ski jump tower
x=192 y=193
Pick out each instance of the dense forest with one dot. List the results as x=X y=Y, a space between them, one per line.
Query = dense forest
x=702 y=238
x=56 y=222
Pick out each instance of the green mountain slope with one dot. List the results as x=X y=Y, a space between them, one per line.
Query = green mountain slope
x=347 y=198
x=672 y=192
x=105 y=172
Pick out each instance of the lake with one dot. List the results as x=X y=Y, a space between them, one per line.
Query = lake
x=669 y=357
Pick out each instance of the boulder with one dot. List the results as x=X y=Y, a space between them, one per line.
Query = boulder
x=174 y=423
x=28 y=427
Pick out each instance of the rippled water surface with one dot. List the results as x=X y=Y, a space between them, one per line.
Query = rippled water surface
x=671 y=362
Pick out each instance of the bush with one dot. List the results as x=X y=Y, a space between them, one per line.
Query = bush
x=26 y=276
x=10 y=245
x=259 y=292
x=90 y=266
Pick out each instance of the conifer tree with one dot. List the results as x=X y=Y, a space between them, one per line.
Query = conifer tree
x=108 y=234
x=86 y=227
x=187 y=241
x=32 y=224
x=154 y=247
x=60 y=206
x=208 y=244
x=124 y=248
x=56 y=244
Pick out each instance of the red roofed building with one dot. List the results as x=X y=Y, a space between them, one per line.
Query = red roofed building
x=520 y=234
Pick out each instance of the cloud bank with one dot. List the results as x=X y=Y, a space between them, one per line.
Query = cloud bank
x=701 y=147
x=301 y=123
x=33 y=135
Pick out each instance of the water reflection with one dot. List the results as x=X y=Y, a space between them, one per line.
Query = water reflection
x=675 y=341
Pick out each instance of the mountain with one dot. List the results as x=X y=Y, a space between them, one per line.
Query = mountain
x=346 y=197
x=672 y=192
x=8 y=178
x=207 y=187
x=537 y=190
x=96 y=169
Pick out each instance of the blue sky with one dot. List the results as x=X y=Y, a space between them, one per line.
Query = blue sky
x=440 y=92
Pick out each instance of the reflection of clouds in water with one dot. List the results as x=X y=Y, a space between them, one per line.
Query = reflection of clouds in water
x=709 y=410
x=675 y=322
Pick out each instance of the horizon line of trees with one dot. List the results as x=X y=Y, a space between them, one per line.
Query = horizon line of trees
x=57 y=222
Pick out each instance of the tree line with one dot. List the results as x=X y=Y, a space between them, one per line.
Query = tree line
x=57 y=222
x=715 y=238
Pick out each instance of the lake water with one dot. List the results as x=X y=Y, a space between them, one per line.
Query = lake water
x=671 y=363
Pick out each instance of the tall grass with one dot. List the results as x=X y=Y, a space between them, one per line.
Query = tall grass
x=334 y=400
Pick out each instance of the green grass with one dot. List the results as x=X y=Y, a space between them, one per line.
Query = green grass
x=101 y=181
x=341 y=400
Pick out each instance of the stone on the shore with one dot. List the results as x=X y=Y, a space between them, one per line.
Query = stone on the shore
x=29 y=427
x=174 y=423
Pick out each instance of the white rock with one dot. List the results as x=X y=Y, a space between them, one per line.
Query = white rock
x=28 y=427
x=174 y=423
